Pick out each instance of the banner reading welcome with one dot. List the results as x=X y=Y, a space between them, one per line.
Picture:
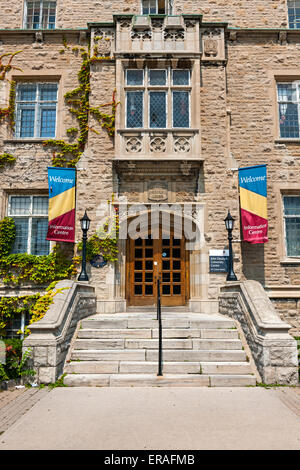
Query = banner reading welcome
x=62 y=183
x=253 y=201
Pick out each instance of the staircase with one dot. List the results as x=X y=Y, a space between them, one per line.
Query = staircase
x=121 y=350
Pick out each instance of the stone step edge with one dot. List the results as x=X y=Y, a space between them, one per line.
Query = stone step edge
x=197 y=364
x=211 y=380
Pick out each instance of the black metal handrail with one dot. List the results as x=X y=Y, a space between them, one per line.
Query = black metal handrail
x=160 y=366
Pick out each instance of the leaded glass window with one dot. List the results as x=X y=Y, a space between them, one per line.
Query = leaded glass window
x=181 y=107
x=288 y=109
x=36 y=105
x=157 y=98
x=39 y=15
x=30 y=214
x=135 y=109
x=158 y=117
x=292 y=225
x=294 y=13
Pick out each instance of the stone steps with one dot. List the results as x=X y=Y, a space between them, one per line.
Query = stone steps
x=199 y=344
x=151 y=380
x=121 y=350
x=128 y=333
x=147 y=367
x=151 y=355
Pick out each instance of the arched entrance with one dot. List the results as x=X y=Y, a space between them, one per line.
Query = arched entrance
x=164 y=257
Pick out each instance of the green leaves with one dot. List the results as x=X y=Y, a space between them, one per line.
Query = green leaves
x=7 y=236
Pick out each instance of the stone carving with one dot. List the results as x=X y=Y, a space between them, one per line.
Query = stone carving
x=185 y=168
x=182 y=145
x=174 y=35
x=125 y=24
x=210 y=47
x=103 y=42
x=212 y=43
x=133 y=144
x=158 y=144
x=158 y=192
x=190 y=24
x=141 y=35
x=157 y=24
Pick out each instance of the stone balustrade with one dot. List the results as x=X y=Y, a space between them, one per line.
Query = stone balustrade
x=273 y=349
x=51 y=336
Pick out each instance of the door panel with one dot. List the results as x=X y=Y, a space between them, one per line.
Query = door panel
x=146 y=260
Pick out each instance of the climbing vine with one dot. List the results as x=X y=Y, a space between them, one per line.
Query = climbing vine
x=17 y=269
x=68 y=154
x=6 y=159
x=105 y=240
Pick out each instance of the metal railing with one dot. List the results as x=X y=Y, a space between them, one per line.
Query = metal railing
x=160 y=365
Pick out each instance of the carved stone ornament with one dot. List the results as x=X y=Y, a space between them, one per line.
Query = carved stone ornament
x=157 y=25
x=144 y=35
x=125 y=24
x=103 y=42
x=158 y=192
x=182 y=145
x=185 y=168
x=174 y=35
x=210 y=47
x=158 y=144
x=190 y=24
x=133 y=144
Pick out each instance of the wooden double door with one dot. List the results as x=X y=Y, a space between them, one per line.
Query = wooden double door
x=148 y=259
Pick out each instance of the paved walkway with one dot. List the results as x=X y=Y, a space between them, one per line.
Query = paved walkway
x=156 y=418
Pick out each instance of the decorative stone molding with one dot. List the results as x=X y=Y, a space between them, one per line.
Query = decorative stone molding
x=213 y=44
x=133 y=144
x=102 y=42
x=51 y=336
x=157 y=25
x=125 y=23
x=157 y=192
x=182 y=145
x=143 y=35
x=185 y=168
x=174 y=35
x=273 y=349
x=190 y=24
x=158 y=144
x=39 y=36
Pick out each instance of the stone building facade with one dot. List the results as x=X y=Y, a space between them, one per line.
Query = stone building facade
x=230 y=58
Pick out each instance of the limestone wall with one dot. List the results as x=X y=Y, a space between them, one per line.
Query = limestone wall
x=74 y=14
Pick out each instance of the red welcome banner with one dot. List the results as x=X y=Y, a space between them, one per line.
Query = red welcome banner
x=253 y=203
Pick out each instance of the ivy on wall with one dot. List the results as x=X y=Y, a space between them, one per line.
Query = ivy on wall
x=105 y=240
x=19 y=269
x=68 y=154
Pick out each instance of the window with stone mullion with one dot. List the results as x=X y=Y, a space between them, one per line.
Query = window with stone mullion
x=294 y=13
x=292 y=225
x=288 y=109
x=163 y=93
x=40 y=14
x=30 y=214
x=36 y=105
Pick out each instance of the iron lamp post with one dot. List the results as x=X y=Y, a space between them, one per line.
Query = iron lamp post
x=85 y=225
x=229 y=224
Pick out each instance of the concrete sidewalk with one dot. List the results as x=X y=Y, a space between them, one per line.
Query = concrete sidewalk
x=159 y=418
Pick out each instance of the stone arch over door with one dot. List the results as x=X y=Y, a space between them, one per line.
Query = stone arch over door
x=198 y=255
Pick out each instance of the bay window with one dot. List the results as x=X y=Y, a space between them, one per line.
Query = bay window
x=157 y=98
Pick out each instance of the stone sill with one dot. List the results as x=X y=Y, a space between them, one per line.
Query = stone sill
x=27 y=141
x=287 y=141
x=295 y=261
x=283 y=291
